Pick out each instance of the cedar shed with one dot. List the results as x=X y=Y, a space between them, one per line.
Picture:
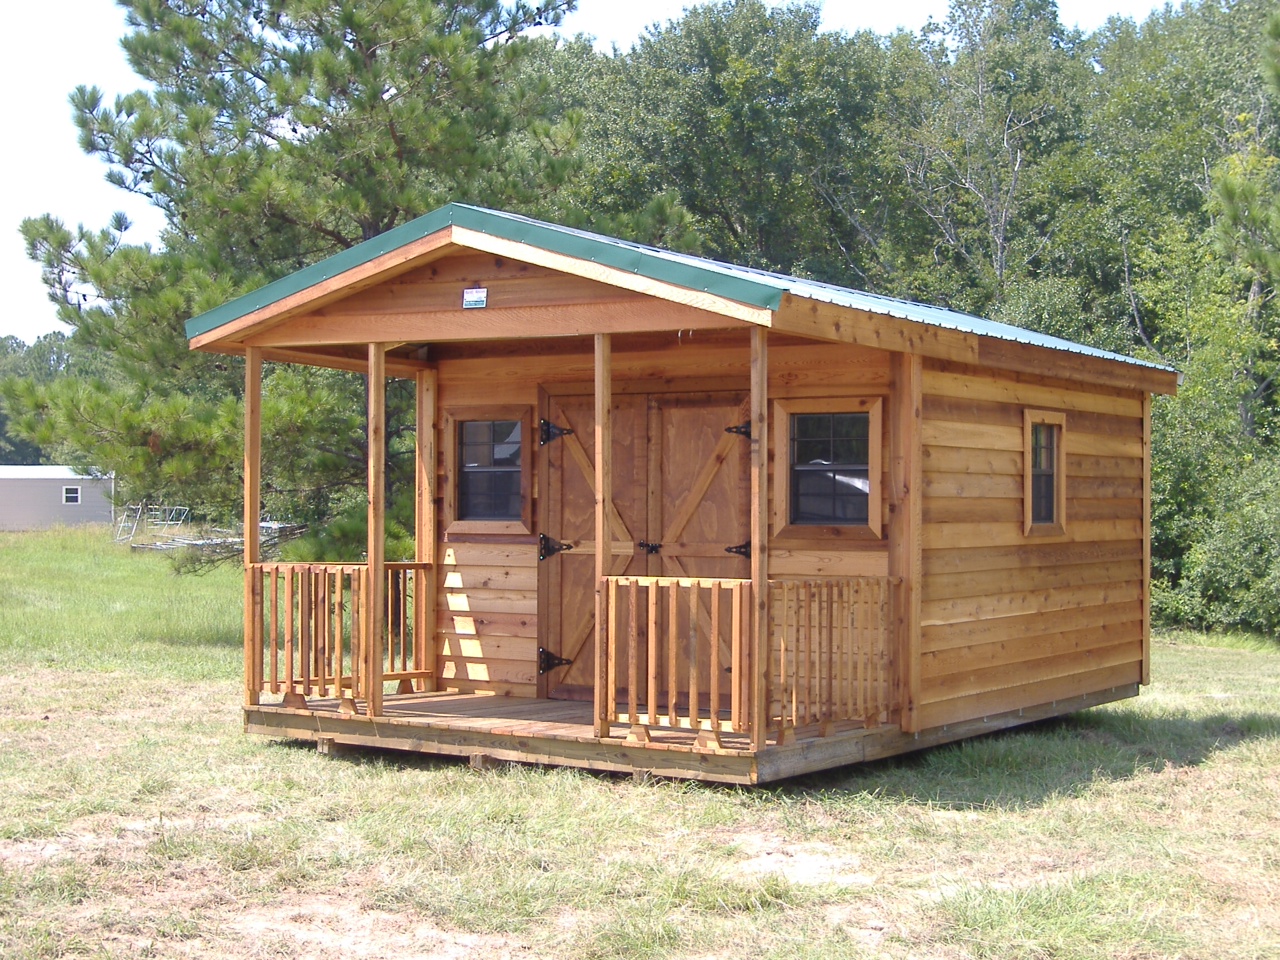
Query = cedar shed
x=689 y=518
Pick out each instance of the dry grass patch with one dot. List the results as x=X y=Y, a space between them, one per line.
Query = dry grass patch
x=140 y=821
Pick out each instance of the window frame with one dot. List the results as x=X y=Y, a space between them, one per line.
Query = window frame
x=79 y=495
x=1058 y=420
x=781 y=429
x=453 y=418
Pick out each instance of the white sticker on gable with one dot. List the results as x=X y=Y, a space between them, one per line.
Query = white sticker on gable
x=475 y=297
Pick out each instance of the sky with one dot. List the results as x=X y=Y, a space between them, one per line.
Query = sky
x=46 y=171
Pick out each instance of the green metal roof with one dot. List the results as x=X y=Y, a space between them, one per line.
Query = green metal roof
x=677 y=269
x=752 y=287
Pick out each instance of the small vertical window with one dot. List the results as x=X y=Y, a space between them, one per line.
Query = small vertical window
x=830 y=468
x=70 y=495
x=490 y=470
x=1044 y=473
x=1044 y=479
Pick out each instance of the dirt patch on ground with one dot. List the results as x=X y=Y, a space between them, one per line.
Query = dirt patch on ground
x=802 y=863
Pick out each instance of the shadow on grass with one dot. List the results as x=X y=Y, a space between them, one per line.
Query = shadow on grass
x=1025 y=766
x=1010 y=769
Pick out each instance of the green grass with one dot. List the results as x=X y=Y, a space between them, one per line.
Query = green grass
x=138 y=820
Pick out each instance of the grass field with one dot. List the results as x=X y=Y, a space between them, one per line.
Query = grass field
x=136 y=820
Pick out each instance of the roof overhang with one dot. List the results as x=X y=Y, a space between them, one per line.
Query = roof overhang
x=326 y=313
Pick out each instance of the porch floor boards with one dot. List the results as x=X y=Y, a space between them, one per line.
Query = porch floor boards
x=507 y=728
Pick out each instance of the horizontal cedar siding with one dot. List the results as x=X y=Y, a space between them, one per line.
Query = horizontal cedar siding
x=487 y=624
x=1009 y=621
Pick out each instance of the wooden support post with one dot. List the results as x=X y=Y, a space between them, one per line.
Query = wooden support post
x=906 y=485
x=252 y=524
x=1146 y=538
x=424 y=584
x=604 y=535
x=759 y=535
x=375 y=599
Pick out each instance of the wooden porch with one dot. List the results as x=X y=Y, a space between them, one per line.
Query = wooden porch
x=561 y=733
x=679 y=671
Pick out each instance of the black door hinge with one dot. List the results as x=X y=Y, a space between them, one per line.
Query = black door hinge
x=741 y=549
x=648 y=547
x=549 y=548
x=742 y=429
x=548 y=431
x=548 y=661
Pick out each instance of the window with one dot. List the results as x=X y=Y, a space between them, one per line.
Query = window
x=487 y=465
x=70 y=495
x=830 y=459
x=489 y=459
x=827 y=471
x=1044 y=473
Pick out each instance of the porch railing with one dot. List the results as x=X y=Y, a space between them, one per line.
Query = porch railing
x=829 y=652
x=680 y=655
x=308 y=634
x=676 y=652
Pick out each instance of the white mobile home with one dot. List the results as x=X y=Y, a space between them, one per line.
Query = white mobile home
x=40 y=497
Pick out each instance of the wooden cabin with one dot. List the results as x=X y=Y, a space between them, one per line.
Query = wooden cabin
x=694 y=519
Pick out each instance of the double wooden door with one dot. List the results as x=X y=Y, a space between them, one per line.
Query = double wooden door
x=681 y=493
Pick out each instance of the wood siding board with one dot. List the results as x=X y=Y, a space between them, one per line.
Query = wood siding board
x=906 y=526
x=945 y=636
x=990 y=702
x=989 y=606
x=976 y=657
x=1027 y=390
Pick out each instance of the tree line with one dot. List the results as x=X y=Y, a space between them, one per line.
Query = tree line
x=1118 y=188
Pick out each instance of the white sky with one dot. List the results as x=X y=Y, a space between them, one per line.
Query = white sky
x=70 y=42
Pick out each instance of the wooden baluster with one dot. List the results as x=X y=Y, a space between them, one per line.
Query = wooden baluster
x=693 y=654
x=611 y=644
x=655 y=648
x=673 y=652
x=304 y=627
x=881 y=634
x=290 y=675
x=713 y=710
x=787 y=651
x=274 y=573
x=633 y=650
x=736 y=666
x=339 y=613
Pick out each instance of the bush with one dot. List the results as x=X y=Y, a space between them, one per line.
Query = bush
x=1231 y=576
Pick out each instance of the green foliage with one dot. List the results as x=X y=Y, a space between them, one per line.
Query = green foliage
x=273 y=134
x=1231 y=577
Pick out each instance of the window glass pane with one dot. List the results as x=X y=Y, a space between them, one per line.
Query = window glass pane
x=477 y=431
x=849 y=451
x=489 y=473
x=830 y=453
x=477 y=454
x=812 y=451
x=506 y=443
x=808 y=426
x=1044 y=468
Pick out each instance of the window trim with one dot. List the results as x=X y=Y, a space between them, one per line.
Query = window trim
x=452 y=418
x=781 y=429
x=79 y=494
x=1058 y=527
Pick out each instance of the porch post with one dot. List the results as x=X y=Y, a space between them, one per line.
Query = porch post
x=759 y=534
x=906 y=482
x=604 y=536
x=375 y=614
x=252 y=524
x=424 y=581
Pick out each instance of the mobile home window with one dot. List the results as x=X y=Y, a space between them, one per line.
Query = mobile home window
x=490 y=456
x=1044 y=472
x=827 y=467
x=70 y=495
